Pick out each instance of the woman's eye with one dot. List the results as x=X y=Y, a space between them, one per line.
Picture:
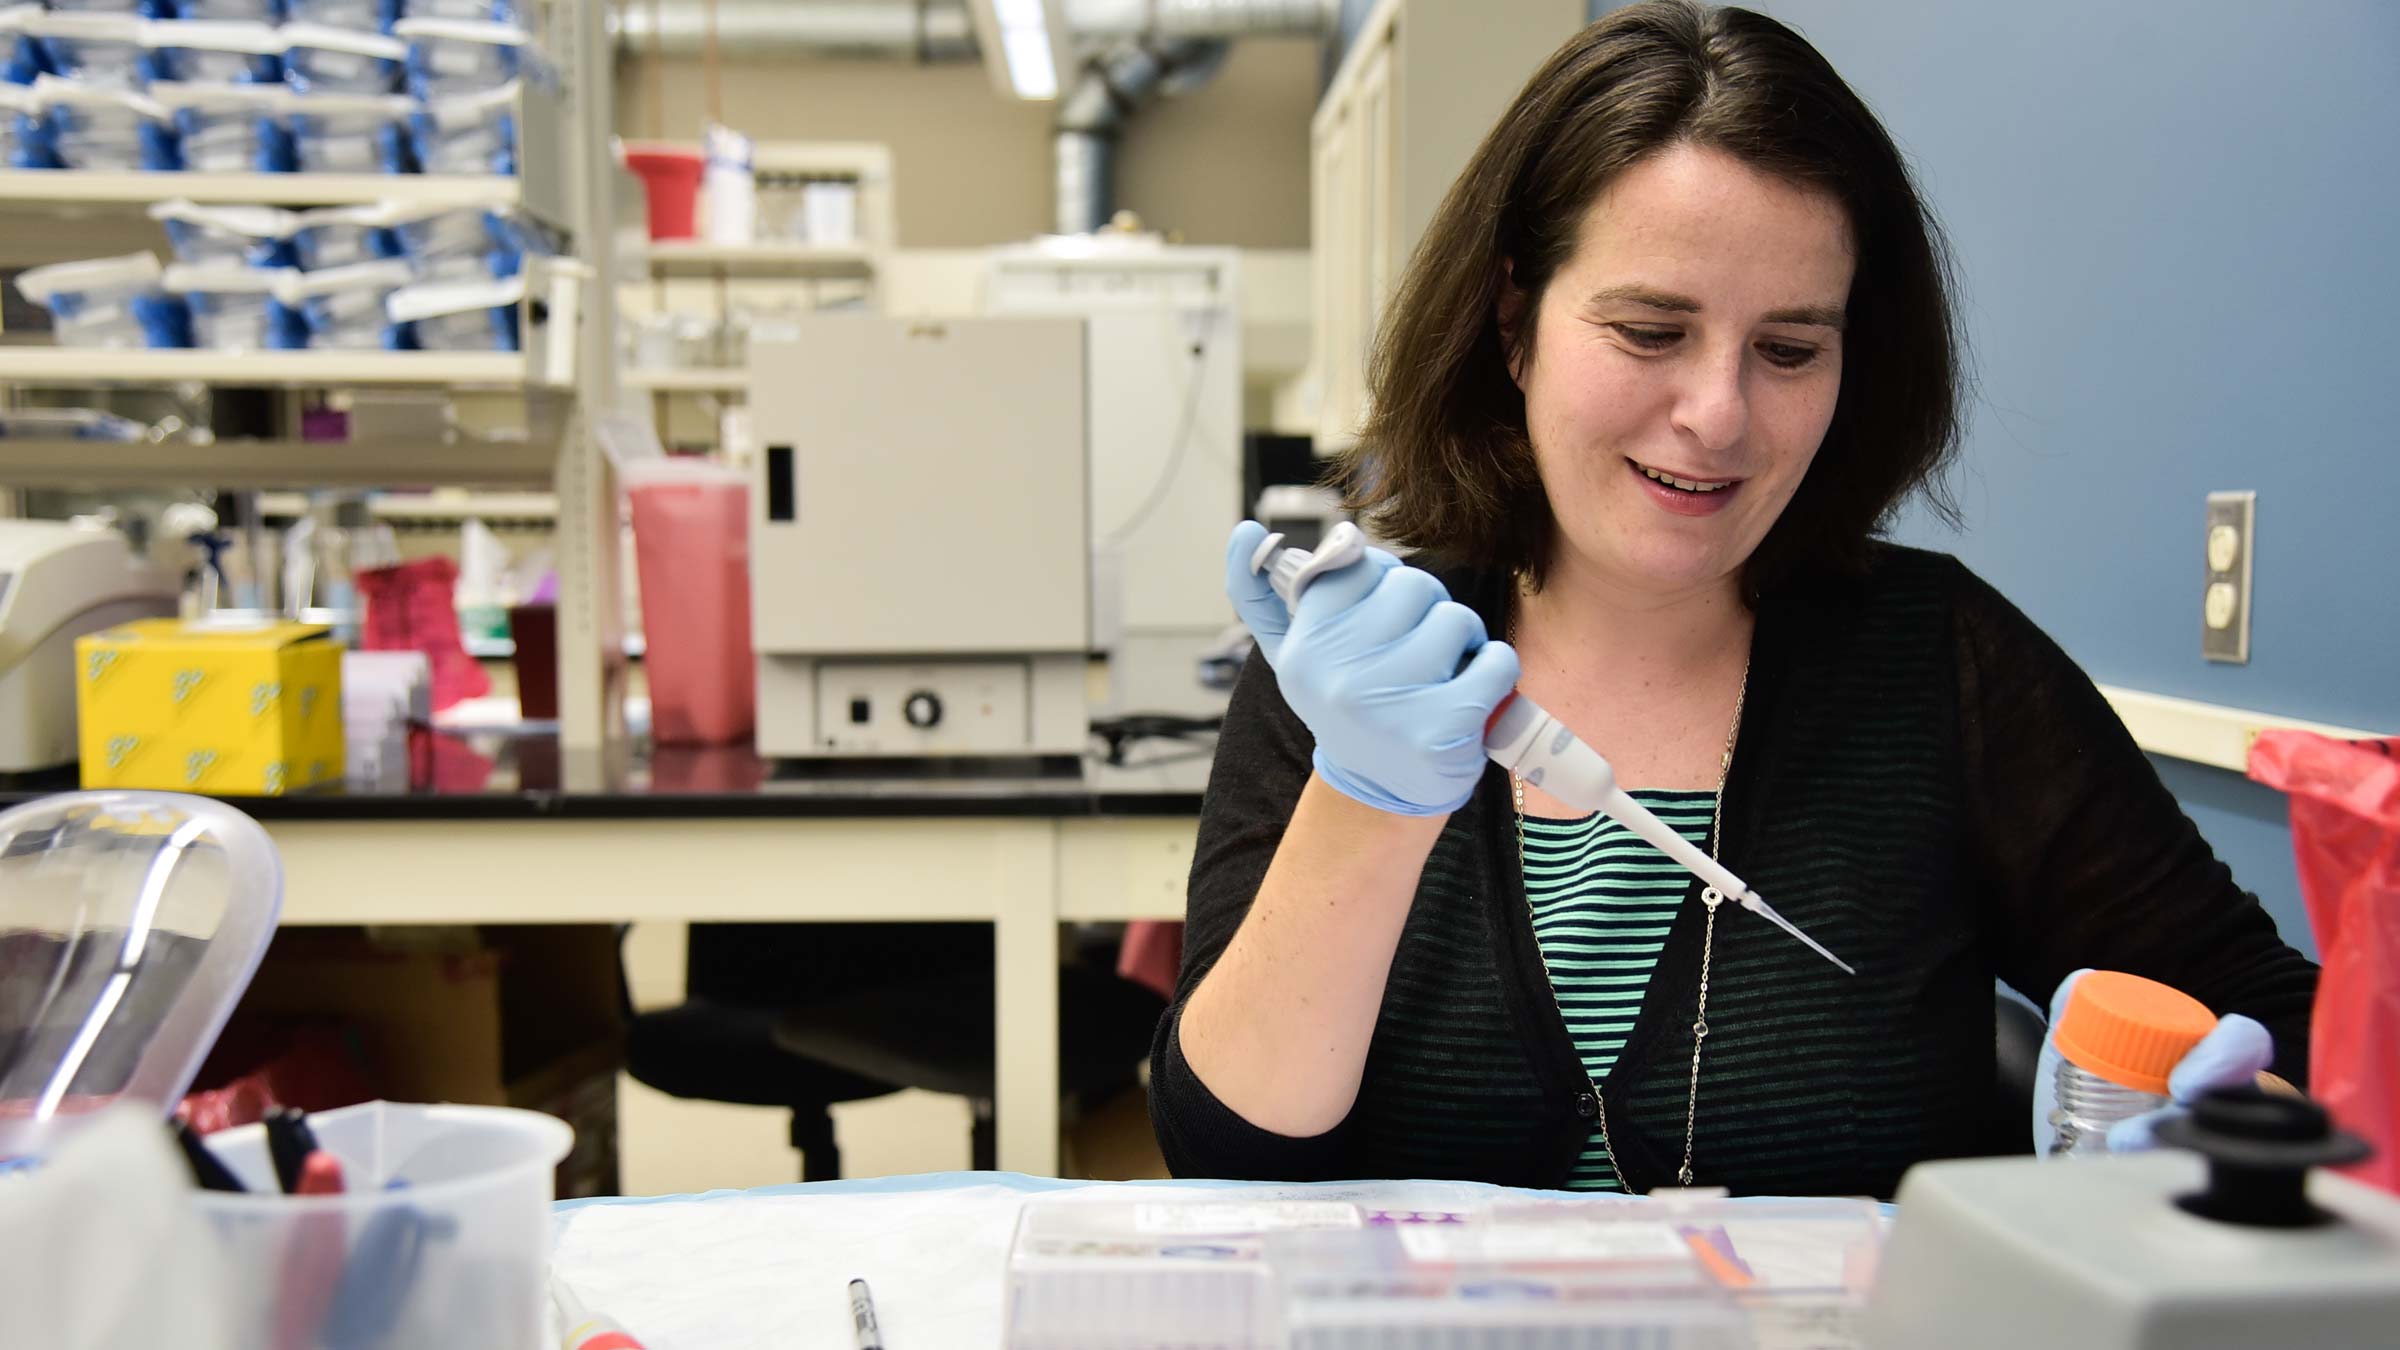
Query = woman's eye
x=1648 y=339
x=1788 y=355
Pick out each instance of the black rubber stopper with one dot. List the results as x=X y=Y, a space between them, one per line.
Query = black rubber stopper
x=2259 y=1147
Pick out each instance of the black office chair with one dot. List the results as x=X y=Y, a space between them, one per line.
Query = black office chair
x=2018 y=1032
x=807 y=1016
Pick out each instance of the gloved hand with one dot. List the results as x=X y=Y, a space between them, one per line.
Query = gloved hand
x=1369 y=660
x=1261 y=610
x=2233 y=1054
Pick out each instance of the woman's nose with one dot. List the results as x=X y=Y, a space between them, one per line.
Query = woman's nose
x=1712 y=406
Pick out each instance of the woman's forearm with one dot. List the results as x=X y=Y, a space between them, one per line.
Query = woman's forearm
x=1279 y=1028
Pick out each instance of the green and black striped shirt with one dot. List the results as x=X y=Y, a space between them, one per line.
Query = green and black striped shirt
x=1603 y=900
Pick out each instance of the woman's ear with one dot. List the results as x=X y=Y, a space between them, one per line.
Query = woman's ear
x=1512 y=314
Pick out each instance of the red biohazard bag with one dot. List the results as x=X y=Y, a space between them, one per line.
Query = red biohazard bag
x=2346 y=833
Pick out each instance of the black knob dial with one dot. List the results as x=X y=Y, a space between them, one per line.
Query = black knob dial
x=923 y=709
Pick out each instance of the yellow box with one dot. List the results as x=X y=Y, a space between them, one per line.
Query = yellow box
x=216 y=709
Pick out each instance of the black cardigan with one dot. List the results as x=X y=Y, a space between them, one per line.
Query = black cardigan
x=1924 y=782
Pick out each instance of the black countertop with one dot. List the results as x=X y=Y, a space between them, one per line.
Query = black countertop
x=489 y=775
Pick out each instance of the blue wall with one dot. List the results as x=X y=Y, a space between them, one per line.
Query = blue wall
x=2178 y=228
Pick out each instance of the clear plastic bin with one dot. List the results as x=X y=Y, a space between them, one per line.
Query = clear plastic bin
x=96 y=49
x=253 y=236
x=367 y=16
x=106 y=302
x=344 y=307
x=106 y=129
x=223 y=128
x=442 y=1237
x=461 y=316
x=468 y=133
x=214 y=52
x=234 y=309
x=351 y=133
x=1085 y=1276
x=448 y=58
x=231 y=11
x=339 y=236
x=324 y=60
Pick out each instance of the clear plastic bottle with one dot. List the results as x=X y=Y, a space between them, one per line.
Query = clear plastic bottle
x=2117 y=1039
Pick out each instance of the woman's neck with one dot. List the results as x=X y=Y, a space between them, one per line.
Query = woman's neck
x=1630 y=634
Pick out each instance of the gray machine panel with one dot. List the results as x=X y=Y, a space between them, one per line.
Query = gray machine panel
x=922 y=488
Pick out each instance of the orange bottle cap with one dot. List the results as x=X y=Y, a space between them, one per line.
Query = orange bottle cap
x=2129 y=1030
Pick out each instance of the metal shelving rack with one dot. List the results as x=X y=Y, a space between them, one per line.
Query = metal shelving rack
x=566 y=382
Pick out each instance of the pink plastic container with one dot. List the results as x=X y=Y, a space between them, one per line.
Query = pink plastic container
x=691 y=543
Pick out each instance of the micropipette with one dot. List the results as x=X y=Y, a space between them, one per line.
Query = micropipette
x=1530 y=743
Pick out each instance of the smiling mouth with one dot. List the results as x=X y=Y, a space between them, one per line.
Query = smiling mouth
x=1697 y=487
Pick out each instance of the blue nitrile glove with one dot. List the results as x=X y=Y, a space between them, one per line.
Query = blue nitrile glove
x=1261 y=610
x=1371 y=665
x=2235 y=1053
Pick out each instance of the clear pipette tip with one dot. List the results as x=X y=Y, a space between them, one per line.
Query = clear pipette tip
x=1755 y=904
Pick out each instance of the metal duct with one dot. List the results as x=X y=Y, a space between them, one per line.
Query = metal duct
x=1112 y=86
x=924 y=30
x=1104 y=19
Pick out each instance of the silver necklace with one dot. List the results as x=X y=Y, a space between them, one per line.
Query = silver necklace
x=1710 y=898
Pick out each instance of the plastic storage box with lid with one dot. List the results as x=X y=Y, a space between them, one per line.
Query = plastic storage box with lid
x=107 y=129
x=210 y=51
x=461 y=316
x=95 y=49
x=450 y=57
x=351 y=133
x=108 y=302
x=235 y=308
x=1090 y=1276
x=318 y=59
x=228 y=128
x=257 y=236
x=344 y=308
x=468 y=133
x=130 y=923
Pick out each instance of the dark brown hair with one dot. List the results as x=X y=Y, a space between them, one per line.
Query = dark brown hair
x=1444 y=465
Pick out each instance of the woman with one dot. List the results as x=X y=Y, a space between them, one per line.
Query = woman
x=1671 y=352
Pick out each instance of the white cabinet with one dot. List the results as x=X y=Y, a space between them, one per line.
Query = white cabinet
x=1421 y=84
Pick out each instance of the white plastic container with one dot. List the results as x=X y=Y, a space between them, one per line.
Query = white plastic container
x=344 y=307
x=461 y=316
x=219 y=51
x=96 y=49
x=247 y=235
x=450 y=57
x=349 y=133
x=233 y=307
x=98 y=127
x=227 y=128
x=320 y=59
x=456 y=1256
x=471 y=132
x=92 y=304
x=829 y=212
x=728 y=186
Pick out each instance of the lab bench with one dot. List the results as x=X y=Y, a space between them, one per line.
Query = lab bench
x=497 y=834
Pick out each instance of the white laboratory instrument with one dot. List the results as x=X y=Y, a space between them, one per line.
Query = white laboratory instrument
x=1164 y=408
x=916 y=590
x=2235 y=1245
x=59 y=581
x=1529 y=742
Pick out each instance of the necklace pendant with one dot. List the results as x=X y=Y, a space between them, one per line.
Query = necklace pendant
x=1711 y=897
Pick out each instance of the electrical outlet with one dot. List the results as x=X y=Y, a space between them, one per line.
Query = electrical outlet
x=2225 y=599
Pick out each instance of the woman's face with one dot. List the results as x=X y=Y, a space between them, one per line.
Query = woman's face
x=1684 y=367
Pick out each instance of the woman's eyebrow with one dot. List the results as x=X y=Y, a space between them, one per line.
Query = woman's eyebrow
x=1818 y=316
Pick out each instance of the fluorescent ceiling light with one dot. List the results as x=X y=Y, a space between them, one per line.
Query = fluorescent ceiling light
x=1023 y=42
